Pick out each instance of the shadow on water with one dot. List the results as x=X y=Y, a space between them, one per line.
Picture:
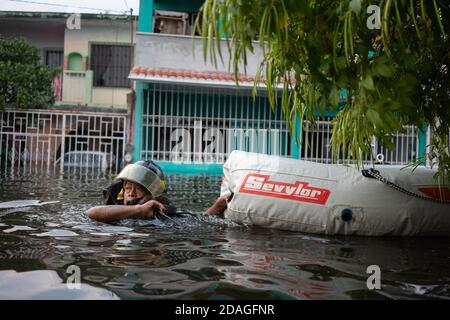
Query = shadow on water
x=199 y=257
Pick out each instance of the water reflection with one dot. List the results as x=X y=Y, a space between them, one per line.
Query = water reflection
x=45 y=284
x=204 y=258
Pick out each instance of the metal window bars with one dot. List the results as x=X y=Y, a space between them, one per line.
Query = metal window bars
x=32 y=141
x=204 y=124
x=316 y=145
x=196 y=124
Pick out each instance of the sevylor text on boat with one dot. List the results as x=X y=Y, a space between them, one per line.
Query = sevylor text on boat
x=289 y=194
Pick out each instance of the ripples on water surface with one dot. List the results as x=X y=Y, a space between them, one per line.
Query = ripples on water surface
x=202 y=257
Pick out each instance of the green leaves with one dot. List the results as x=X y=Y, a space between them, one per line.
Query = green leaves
x=24 y=83
x=383 y=67
x=18 y=51
x=355 y=5
x=334 y=96
x=384 y=70
x=394 y=76
x=367 y=83
x=340 y=62
x=374 y=117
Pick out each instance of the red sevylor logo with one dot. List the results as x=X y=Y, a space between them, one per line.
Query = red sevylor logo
x=300 y=191
x=442 y=193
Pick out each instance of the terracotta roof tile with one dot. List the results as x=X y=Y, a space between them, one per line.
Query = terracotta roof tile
x=185 y=75
x=188 y=74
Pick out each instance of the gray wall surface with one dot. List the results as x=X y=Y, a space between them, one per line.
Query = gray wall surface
x=173 y=51
x=42 y=34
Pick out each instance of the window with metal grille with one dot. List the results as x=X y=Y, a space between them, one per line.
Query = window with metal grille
x=111 y=65
x=54 y=58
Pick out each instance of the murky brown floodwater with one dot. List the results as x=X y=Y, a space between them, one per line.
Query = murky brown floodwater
x=200 y=258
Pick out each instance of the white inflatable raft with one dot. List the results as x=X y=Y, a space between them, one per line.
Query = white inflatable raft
x=289 y=194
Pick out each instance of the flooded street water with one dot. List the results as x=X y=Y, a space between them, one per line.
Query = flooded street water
x=199 y=257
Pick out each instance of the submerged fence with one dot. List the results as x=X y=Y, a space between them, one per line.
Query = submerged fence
x=36 y=140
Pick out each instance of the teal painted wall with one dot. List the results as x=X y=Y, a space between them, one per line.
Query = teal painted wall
x=138 y=121
x=147 y=7
x=295 y=147
x=422 y=143
x=145 y=24
x=190 y=168
x=145 y=16
x=178 y=5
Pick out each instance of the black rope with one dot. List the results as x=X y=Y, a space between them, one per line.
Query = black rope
x=372 y=173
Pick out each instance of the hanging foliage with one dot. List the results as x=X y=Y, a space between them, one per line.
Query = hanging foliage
x=388 y=63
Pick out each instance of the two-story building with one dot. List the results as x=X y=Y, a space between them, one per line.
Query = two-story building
x=94 y=52
x=87 y=126
x=190 y=115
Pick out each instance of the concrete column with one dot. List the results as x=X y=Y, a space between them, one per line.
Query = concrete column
x=145 y=24
x=145 y=16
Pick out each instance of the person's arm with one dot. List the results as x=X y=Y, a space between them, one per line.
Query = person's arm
x=119 y=212
x=219 y=207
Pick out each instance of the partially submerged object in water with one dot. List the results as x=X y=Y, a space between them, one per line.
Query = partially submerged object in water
x=24 y=203
x=289 y=194
x=169 y=213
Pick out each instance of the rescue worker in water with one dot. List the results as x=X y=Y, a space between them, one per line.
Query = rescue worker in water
x=140 y=192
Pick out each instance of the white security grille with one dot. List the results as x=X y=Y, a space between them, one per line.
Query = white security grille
x=433 y=162
x=316 y=142
x=406 y=147
x=203 y=125
x=316 y=145
x=50 y=140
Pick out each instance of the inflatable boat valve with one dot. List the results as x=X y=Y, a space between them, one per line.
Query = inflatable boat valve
x=347 y=214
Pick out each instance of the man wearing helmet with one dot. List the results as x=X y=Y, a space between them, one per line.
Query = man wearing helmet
x=138 y=193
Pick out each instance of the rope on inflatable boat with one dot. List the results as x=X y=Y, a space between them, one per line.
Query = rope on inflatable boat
x=376 y=174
